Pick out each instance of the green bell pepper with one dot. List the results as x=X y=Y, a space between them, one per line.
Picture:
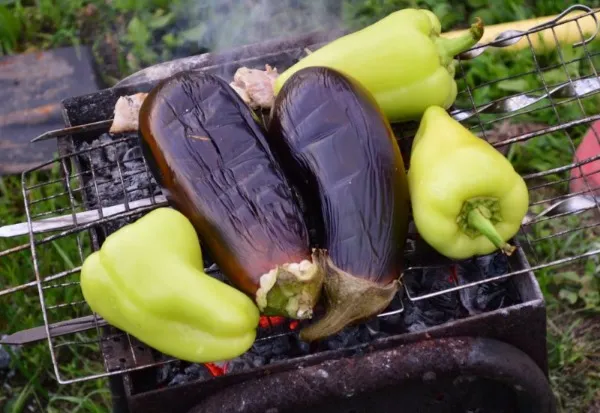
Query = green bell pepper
x=401 y=60
x=467 y=199
x=148 y=280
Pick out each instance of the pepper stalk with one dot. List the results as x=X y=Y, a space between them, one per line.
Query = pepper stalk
x=478 y=218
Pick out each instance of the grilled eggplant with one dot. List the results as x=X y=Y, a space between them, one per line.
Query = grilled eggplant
x=212 y=159
x=337 y=146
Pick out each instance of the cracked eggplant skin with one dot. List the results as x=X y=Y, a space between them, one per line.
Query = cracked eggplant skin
x=339 y=149
x=337 y=146
x=213 y=163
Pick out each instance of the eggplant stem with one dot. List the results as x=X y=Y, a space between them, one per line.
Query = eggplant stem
x=349 y=299
x=292 y=290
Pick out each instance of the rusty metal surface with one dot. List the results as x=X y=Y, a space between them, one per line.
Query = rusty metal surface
x=426 y=376
x=32 y=86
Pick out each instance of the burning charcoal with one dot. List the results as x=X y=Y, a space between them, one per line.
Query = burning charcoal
x=167 y=372
x=179 y=379
x=272 y=347
x=111 y=151
x=303 y=347
x=164 y=374
x=349 y=337
x=119 y=170
x=132 y=154
x=179 y=372
x=418 y=319
x=373 y=327
x=489 y=296
x=264 y=352
x=248 y=361
x=258 y=361
x=281 y=347
x=436 y=310
x=236 y=365
x=391 y=323
x=197 y=371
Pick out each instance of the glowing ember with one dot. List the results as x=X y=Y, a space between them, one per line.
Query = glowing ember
x=453 y=278
x=215 y=369
x=267 y=322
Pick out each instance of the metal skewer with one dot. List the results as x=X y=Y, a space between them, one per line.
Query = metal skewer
x=72 y=220
x=572 y=204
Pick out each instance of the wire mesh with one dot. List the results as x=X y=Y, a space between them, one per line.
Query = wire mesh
x=544 y=105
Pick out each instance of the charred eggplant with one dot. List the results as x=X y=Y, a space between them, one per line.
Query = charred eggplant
x=212 y=160
x=339 y=149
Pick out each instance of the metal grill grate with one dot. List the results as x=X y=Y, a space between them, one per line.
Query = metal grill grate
x=79 y=192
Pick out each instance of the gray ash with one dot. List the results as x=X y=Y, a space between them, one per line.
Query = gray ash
x=119 y=171
x=285 y=345
x=491 y=295
x=180 y=372
x=434 y=311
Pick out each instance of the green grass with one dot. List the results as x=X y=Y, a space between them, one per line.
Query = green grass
x=35 y=382
x=129 y=34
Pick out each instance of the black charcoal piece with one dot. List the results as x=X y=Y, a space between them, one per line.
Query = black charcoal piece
x=164 y=373
x=491 y=295
x=436 y=310
x=119 y=171
x=391 y=323
x=179 y=379
x=197 y=371
x=176 y=373
x=349 y=337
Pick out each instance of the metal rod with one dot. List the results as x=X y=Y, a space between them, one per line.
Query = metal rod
x=77 y=219
x=502 y=277
x=88 y=127
x=80 y=324
x=58 y=329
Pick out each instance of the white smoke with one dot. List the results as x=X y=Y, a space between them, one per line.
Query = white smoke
x=222 y=24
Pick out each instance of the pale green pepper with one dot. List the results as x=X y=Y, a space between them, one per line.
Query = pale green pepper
x=401 y=60
x=467 y=199
x=148 y=280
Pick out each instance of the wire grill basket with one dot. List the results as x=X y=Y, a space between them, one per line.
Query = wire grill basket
x=561 y=90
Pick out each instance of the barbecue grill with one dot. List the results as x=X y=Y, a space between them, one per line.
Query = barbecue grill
x=466 y=336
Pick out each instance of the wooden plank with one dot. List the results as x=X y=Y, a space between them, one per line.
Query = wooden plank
x=32 y=86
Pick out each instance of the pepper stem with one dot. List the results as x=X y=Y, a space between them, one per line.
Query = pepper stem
x=349 y=299
x=479 y=219
x=450 y=47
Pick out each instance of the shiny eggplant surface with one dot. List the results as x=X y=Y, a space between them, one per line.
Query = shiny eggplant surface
x=337 y=146
x=211 y=158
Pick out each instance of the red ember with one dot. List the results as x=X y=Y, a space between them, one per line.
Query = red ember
x=453 y=277
x=216 y=370
x=266 y=322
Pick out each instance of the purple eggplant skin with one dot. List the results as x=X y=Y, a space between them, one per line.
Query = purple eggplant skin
x=212 y=160
x=338 y=148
